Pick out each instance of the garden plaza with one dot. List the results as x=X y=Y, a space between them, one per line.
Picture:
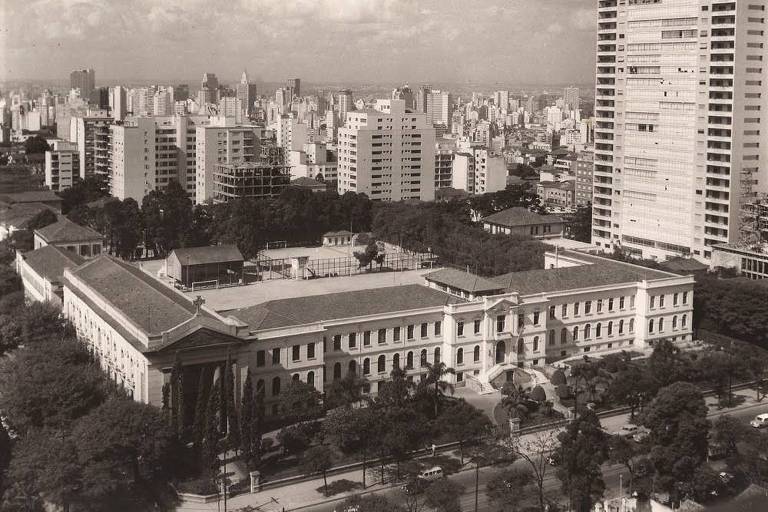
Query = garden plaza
x=482 y=327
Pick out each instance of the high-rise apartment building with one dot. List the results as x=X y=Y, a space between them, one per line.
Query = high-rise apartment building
x=679 y=110
x=62 y=166
x=387 y=153
x=346 y=104
x=84 y=80
x=217 y=144
x=439 y=108
x=571 y=98
x=293 y=85
x=209 y=89
x=147 y=153
x=91 y=134
x=264 y=177
x=118 y=102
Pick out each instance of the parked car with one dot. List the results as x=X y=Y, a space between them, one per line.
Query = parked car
x=641 y=435
x=760 y=421
x=627 y=431
x=725 y=477
x=431 y=474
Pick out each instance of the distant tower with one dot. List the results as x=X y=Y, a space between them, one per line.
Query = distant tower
x=209 y=89
x=85 y=80
x=246 y=93
x=345 y=104
x=294 y=88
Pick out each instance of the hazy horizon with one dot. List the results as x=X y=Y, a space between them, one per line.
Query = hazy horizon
x=321 y=41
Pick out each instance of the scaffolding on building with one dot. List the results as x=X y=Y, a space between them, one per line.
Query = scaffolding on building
x=753 y=215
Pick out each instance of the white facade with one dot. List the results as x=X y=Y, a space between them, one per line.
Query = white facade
x=387 y=153
x=490 y=172
x=221 y=145
x=62 y=167
x=678 y=118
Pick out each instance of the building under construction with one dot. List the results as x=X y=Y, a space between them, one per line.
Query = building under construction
x=263 y=178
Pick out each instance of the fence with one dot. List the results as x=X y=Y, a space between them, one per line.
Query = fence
x=280 y=268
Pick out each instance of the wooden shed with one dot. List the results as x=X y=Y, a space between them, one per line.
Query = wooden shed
x=205 y=266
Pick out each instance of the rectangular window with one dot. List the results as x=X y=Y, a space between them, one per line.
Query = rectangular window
x=367 y=339
x=336 y=342
x=599 y=305
x=275 y=356
x=551 y=312
x=500 y=321
x=410 y=332
x=460 y=328
x=260 y=358
x=588 y=307
x=296 y=352
x=610 y=304
x=438 y=328
x=576 y=309
x=424 y=331
x=477 y=326
x=352 y=340
x=631 y=302
x=564 y=311
x=621 y=302
x=661 y=301
x=310 y=350
x=535 y=318
x=685 y=297
x=382 y=336
x=653 y=301
x=520 y=321
x=396 y=333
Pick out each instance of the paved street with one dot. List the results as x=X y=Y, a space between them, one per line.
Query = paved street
x=304 y=495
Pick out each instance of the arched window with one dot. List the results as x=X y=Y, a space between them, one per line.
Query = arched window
x=551 y=336
x=396 y=361
x=674 y=322
x=437 y=355
x=424 y=357
x=587 y=331
x=366 y=366
x=610 y=328
x=661 y=324
x=535 y=344
x=311 y=378
x=352 y=367
x=576 y=333
x=296 y=377
x=684 y=320
x=337 y=371
x=260 y=387
x=476 y=353
x=650 y=325
x=276 y=386
x=563 y=336
x=382 y=364
x=631 y=325
x=409 y=360
x=598 y=330
x=460 y=356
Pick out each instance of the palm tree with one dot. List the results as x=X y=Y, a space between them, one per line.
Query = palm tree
x=513 y=398
x=435 y=374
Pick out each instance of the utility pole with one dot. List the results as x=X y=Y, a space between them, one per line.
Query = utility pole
x=477 y=483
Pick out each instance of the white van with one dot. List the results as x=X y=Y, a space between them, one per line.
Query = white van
x=435 y=473
x=760 y=421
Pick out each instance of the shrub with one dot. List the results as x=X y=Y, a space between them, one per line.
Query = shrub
x=558 y=378
x=538 y=394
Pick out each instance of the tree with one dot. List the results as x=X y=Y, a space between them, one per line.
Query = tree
x=250 y=437
x=512 y=488
x=729 y=433
x=581 y=224
x=399 y=431
x=631 y=387
x=300 y=402
x=201 y=408
x=167 y=215
x=461 y=422
x=353 y=431
x=677 y=419
x=44 y=463
x=624 y=451
x=126 y=451
x=49 y=384
x=443 y=495
x=583 y=449
x=36 y=145
x=46 y=217
x=318 y=459
x=297 y=438
x=82 y=192
x=396 y=391
x=9 y=281
x=228 y=410
x=434 y=377
x=665 y=364
x=344 y=392
x=366 y=257
x=5 y=452
x=177 y=395
x=513 y=400
x=535 y=452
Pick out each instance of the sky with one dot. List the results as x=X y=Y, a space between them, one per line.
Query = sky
x=414 y=41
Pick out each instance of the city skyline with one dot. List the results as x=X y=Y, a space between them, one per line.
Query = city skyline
x=390 y=40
